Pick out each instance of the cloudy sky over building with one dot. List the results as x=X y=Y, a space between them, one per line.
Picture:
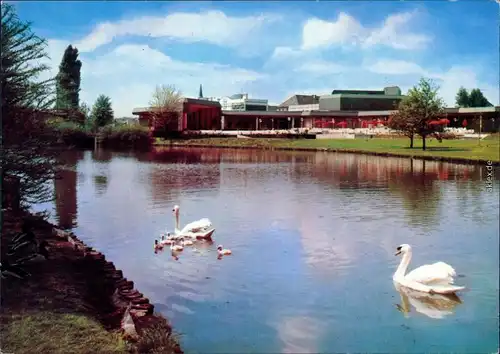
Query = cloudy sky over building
x=271 y=50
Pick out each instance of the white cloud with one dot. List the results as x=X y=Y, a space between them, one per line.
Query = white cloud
x=212 y=27
x=129 y=73
x=321 y=67
x=449 y=80
x=319 y=33
x=281 y=53
x=347 y=31
x=396 y=67
x=300 y=334
x=392 y=34
x=458 y=75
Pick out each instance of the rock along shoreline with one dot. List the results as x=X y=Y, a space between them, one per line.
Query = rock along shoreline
x=457 y=160
x=115 y=302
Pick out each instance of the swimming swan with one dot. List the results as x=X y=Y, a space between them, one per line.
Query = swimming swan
x=436 y=278
x=187 y=243
x=435 y=306
x=223 y=252
x=158 y=246
x=200 y=229
x=170 y=236
x=174 y=247
x=166 y=239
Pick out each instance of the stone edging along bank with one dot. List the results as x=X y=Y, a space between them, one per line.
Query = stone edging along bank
x=124 y=295
x=457 y=160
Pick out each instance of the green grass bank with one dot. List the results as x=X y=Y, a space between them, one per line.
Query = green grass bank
x=461 y=151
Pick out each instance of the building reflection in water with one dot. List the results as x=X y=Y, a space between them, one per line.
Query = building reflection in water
x=102 y=155
x=65 y=189
x=100 y=179
x=173 y=170
x=415 y=183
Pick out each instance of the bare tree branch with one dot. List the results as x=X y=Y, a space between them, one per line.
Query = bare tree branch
x=166 y=105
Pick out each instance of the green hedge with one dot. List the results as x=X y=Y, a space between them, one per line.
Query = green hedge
x=126 y=136
x=113 y=136
x=72 y=134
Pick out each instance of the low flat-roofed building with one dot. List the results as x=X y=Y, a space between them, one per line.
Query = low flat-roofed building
x=362 y=100
x=242 y=103
x=299 y=103
x=343 y=108
x=197 y=114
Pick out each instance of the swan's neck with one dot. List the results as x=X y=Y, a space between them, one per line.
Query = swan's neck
x=405 y=261
x=177 y=222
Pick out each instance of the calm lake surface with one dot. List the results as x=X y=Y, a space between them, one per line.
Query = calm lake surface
x=313 y=236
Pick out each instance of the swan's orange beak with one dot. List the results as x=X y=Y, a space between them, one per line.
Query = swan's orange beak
x=397 y=253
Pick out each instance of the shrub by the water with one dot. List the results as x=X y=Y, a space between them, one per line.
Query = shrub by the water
x=126 y=136
x=72 y=134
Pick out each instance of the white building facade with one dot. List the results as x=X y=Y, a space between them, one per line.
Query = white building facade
x=241 y=102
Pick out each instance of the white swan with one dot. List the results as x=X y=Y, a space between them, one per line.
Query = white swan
x=435 y=306
x=157 y=246
x=166 y=240
x=175 y=247
x=436 y=278
x=223 y=252
x=170 y=236
x=200 y=229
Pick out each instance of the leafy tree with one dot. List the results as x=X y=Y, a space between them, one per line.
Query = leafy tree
x=166 y=106
x=473 y=99
x=87 y=113
x=68 y=80
x=477 y=99
x=462 y=98
x=85 y=109
x=398 y=121
x=28 y=163
x=102 y=112
x=419 y=108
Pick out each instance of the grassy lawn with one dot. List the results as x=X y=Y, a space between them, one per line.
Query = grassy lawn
x=50 y=332
x=465 y=149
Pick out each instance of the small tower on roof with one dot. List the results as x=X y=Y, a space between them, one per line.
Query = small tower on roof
x=200 y=94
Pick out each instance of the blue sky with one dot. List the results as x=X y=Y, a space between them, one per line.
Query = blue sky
x=271 y=49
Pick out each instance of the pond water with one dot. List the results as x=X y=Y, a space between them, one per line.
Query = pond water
x=313 y=236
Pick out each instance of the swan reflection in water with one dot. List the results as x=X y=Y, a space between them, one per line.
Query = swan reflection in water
x=435 y=306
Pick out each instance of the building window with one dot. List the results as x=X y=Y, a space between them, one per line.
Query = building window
x=250 y=107
x=238 y=106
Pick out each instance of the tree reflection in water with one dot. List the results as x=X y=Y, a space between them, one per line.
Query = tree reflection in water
x=65 y=189
x=100 y=185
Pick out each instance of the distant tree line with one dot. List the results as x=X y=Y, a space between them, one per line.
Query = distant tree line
x=474 y=98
